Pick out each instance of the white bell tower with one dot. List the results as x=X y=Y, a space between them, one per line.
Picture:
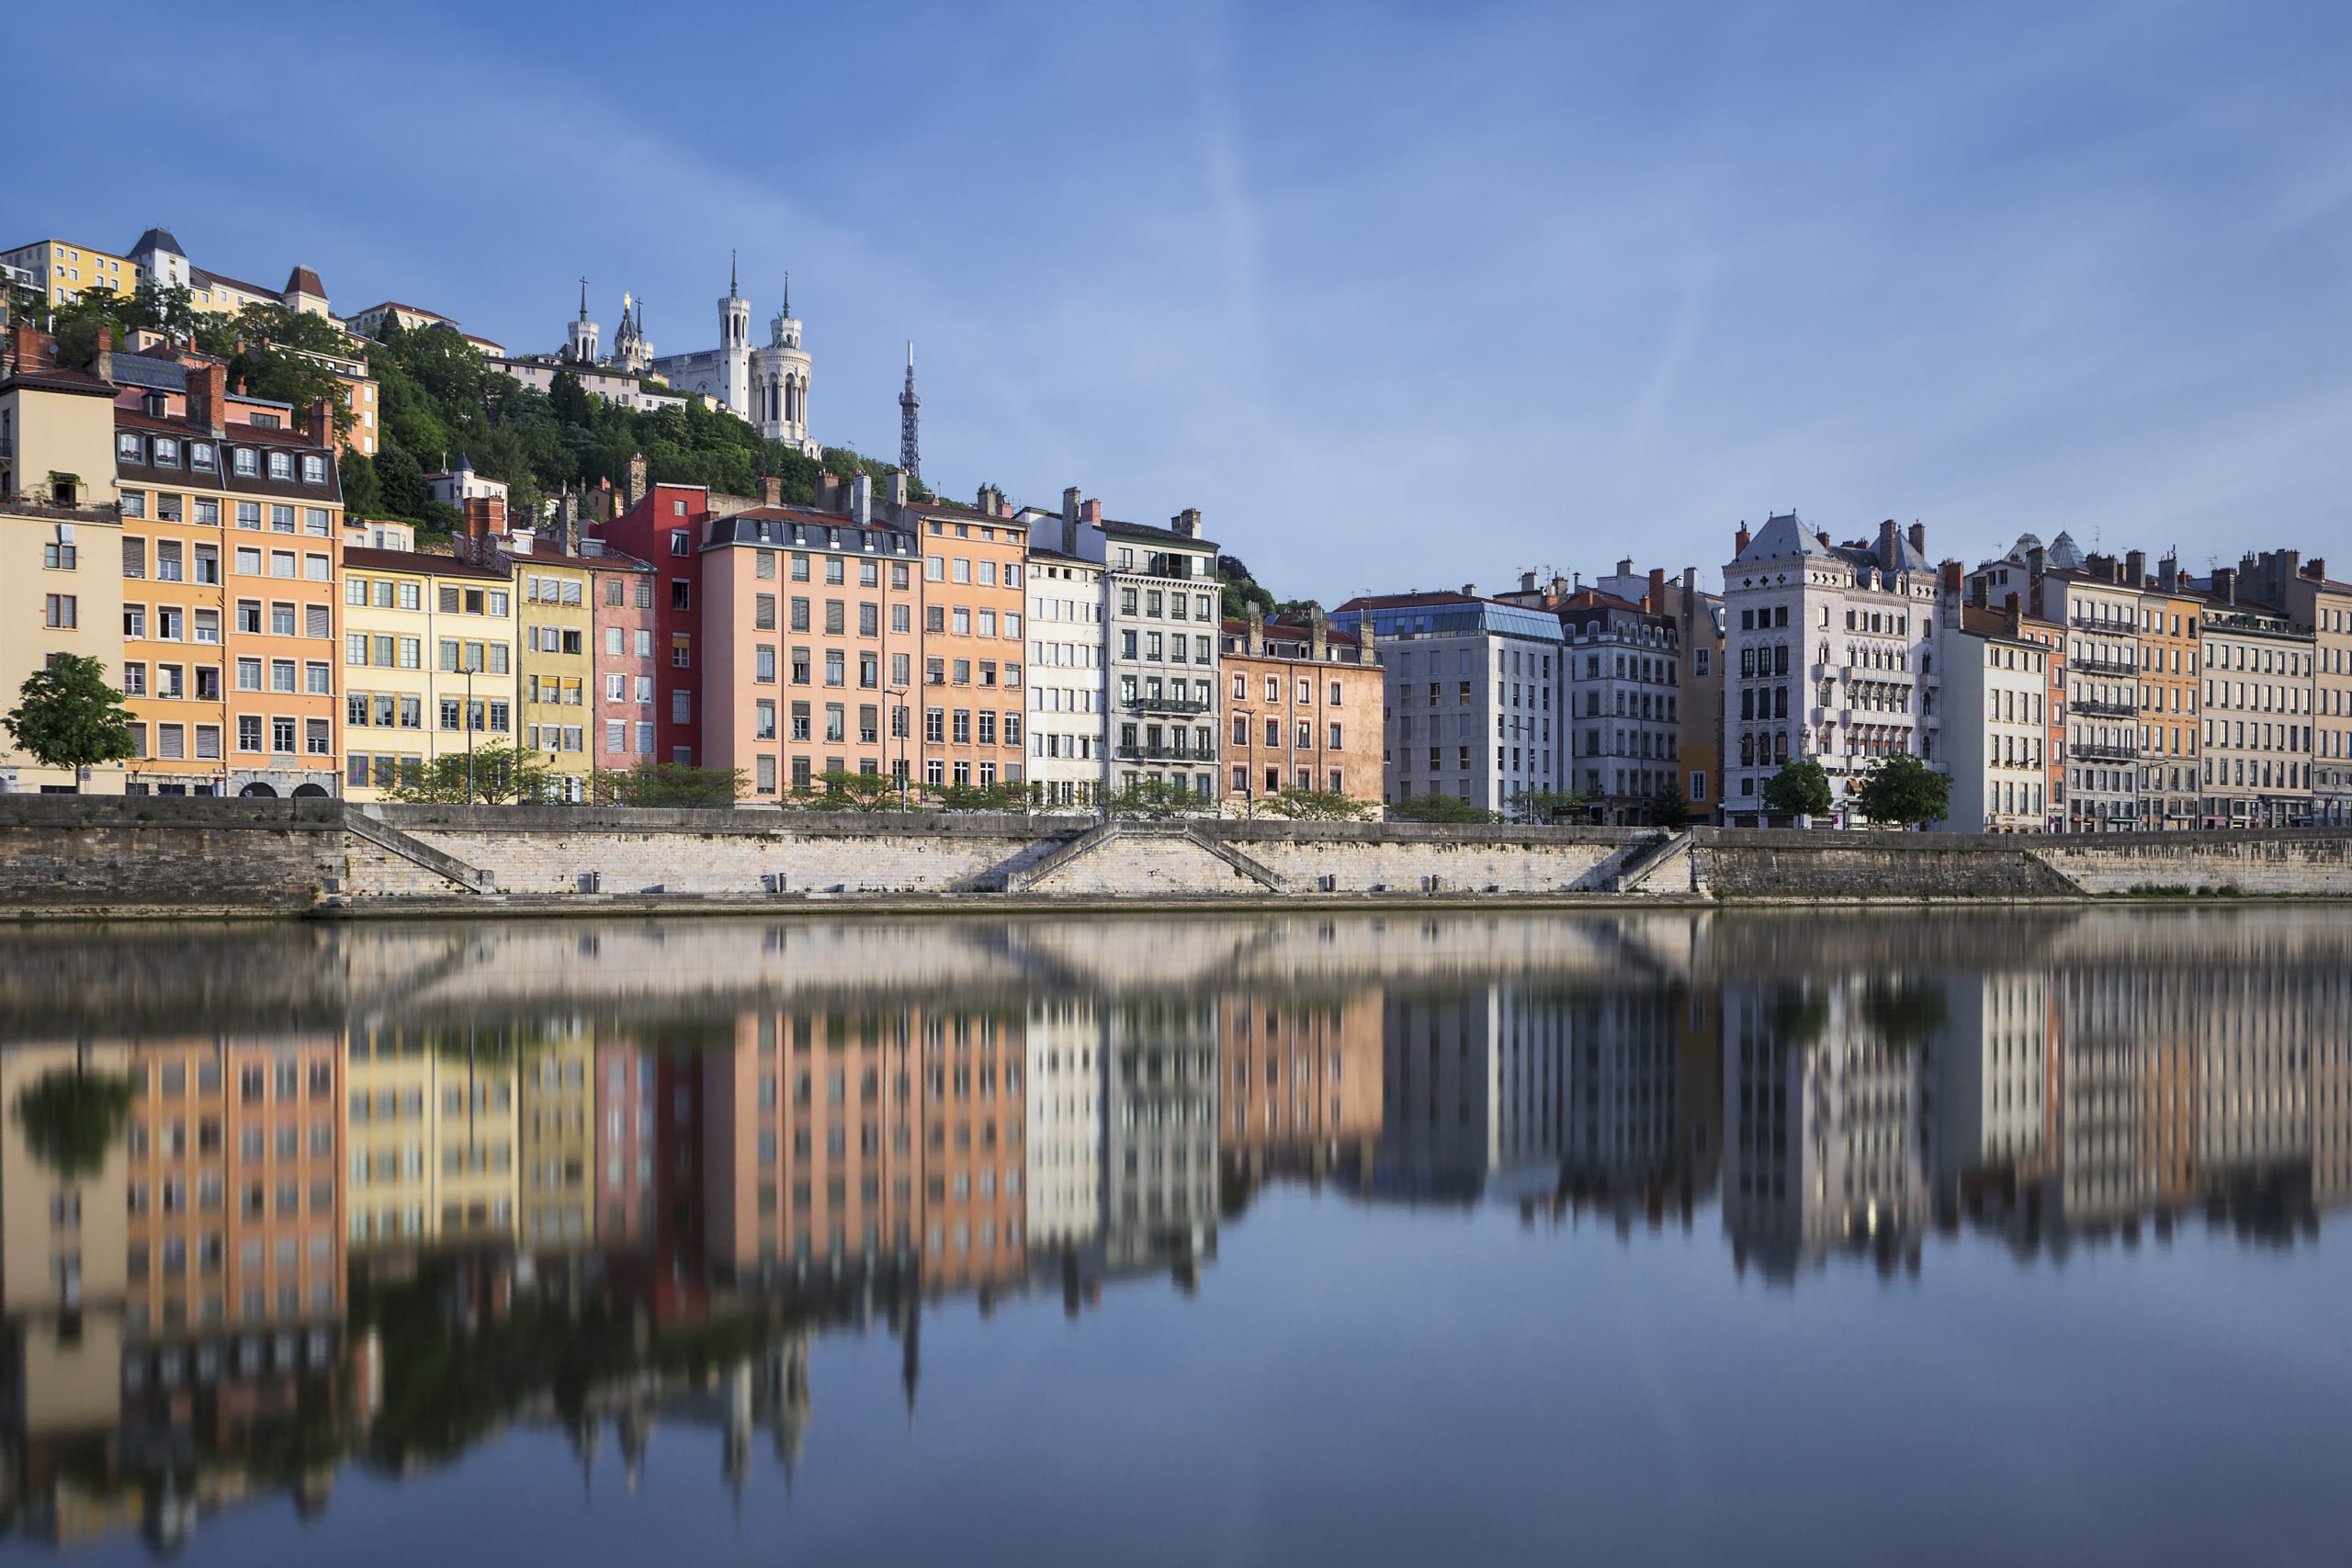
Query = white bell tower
x=735 y=347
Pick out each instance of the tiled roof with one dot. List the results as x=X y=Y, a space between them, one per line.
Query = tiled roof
x=1146 y=531
x=199 y=274
x=157 y=239
x=303 y=280
x=364 y=558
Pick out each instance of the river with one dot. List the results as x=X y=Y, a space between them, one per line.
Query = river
x=1809 y=1236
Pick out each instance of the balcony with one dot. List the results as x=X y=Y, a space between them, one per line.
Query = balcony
x=1165 y=704
x=2106 y=709
x=2093 y=751
x=1163 y=754
x=2092 y=664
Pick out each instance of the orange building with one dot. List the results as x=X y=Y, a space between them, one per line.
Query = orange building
x=1303 y=711
x=234 y=1186
x=2169 y=688
x=1303 y=1080
x=973 y=601
x=809 y=645
x=232 y=545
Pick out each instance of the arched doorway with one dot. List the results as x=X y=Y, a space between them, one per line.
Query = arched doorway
x=259 y=791
x=309 y=791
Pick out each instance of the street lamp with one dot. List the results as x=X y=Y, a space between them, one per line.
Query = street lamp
x=899 y=723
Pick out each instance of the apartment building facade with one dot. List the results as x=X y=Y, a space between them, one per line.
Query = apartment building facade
x=1997 y=685
x=2283 y=581
x=2170 y=693
x=1302 y=711
x=1624 y=719
x=2257 y=738
x=1068 y=749
x=975 y=606
x=1828 y=656
x=1163 y=619
x=556 y=668
x=1474 y=701
x=431 y=662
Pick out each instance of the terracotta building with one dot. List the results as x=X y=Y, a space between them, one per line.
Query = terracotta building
x=973 y=604
x=1303 y=703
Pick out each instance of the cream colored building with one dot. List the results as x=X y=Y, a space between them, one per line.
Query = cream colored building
x=1064 y=1148
x=1996 y=683
x=432 y=1131
x=429 y=656
x=60 y=542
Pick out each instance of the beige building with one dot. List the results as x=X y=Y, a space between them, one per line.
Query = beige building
x=2257 y=725
x=1996 y=683
x=61 y=539
x=2283 y=581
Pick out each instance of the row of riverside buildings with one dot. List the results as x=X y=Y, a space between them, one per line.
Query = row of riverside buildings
x=194 y=541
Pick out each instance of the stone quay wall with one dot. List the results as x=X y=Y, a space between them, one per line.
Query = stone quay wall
x=116 y=856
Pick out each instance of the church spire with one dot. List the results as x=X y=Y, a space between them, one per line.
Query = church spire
x=584 y=299
x=910 y=449
x=787 y=296
x=731 y=290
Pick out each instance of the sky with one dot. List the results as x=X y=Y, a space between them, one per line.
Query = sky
x=1400 y=296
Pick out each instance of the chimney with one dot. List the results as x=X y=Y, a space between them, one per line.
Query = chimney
x=1821 y=537
x=636 y=486
x=1527 y=582
x=1469 y=591
x=1069 y=503
x=103 y=366
x=1950 y=570
x=1319 y=634
x=2036 y=560
x=1980 y=591
x=27 y=352
x=1918 y=537
x=2225 y=584
x=1625 y=566
x=1254 y=643
x=1739 y=542
x=861 y=499
x=1091 y=513
x=1887 y=550
x=898 y=488
x=1188 y=522
x=317 y=422
x=207 y=397
x=771 y=489
x=567 y=521
x=1559 y=586
x=2168 y=574
x=1655 y=601
x=2316 y=569
x=2135 y=567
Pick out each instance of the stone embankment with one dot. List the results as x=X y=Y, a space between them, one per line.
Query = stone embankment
x=88 y=856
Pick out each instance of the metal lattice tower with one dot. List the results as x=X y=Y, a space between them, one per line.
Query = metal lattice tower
x=909 y=448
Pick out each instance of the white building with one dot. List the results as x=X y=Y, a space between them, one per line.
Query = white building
x=1995 y=757
x=1475 y=693
x=1063 y=1144
x=1828 y=655
x=1067 y=749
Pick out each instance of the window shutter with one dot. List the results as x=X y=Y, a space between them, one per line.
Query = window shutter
x=318 y=620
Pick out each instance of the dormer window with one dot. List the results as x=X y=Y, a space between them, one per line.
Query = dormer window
x=128 y=448
x=167 y=452
x=247 y=462
x=281 y=465
x=265 y=422
x=200 y=456
x=158 y=405
x=314 y=470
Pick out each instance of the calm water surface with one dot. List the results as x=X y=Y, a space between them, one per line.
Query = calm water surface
x=1806 y=1237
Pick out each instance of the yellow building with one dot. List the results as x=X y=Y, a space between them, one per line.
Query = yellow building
x=60 y=541
x=558 y=663
x=432 y=1132
x=558 y=1118
x=429 y=656
x=67 y=271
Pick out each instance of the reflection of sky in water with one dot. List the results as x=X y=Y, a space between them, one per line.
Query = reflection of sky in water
x=1474 y=1378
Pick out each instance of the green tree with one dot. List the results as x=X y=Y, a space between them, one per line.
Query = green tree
x=1903 y=790
x=497 y=774
x=363 y=496
x=1668 y=807
x=842 y=791
x=1547 y=805
x=72 y=1117
x=1439 y=807
x=1154 y=799
x=674 y=785
x=67 y=715
x=277 y=357
x=1315 y=806
x=1800 y=789
x=982 y=797
x=164 y=307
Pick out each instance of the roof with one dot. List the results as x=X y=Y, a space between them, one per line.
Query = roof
x=303 y=280
x=1415 y=600
x=1289 y=630
x=540 y=552
x=49 y=380
x=396 y=305
x=200 y=275
x=1784 y=537
x=1146 y=531
x=1595 y=599
x=158 y=240
x=156 y=375
x=365 y=559
x=776 y=525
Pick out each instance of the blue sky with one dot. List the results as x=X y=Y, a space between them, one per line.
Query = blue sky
x=1400 y=295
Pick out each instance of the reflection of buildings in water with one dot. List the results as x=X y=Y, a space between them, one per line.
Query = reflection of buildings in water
x=1471 y=1103
x=1063 y=1172
x=556 y=1115
x=1302 y=1081
x=1160 y=1130
x=175 y=1312
x=434 y=1131
x=621 y=1172
x=1829 y=1128
x=974 y=1148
